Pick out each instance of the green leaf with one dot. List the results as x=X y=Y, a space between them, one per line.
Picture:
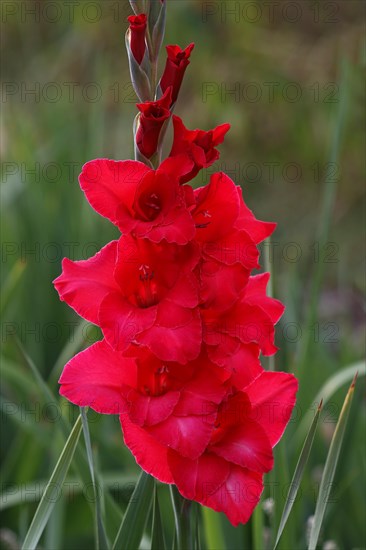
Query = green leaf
x=15 y=495
x=51 y=492
x=134 y=521
x=184 y=535
x=55 y=528
x=298 y=474
x=333 y=384
x=100 y=534
x=196 y=525
x=113 y=514
x=330 y=467
x=43 y=386
x=257 y=527
x=213 y=530
x=157 y=533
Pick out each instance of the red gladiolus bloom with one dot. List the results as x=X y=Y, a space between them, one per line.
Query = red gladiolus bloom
x=175 y=405
x=144 y=202
x=189 y=426
x=200 y=145
x=228 y=475
x=139 y=293
x=176 y=65
x=152 y=118
x=138 y=25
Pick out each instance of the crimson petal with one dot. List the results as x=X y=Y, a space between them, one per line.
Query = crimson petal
x=148 y=452
x=238 y=496
x=272 y=396
x=109 y=183
x=94 y=378
x=84 y=284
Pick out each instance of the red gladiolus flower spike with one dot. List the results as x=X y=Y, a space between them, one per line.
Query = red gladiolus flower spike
x=138 y=24
x=200 y=145
x=176 y=65
x=153 y=116
x=183 y=319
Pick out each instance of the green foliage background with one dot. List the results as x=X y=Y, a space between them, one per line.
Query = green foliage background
x=279 y=150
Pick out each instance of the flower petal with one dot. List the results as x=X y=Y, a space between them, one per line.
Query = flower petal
x=147 y=410
x=176 y=166
x=95 y=377
x=176 y=334
x=255 y=294
x=197 y=479
x=204 y=391
x=121 y=322
x=216 y=202
x=246 y=445
x=250 y=324
x=221 y=284
x=237 y=247
x=272 y=396
x=109 y=183
x=238 y=495
x=85 y=283
x=148 y=452
x=246 y=220
x=176 y=227
x=188 y=435
x=245 y=365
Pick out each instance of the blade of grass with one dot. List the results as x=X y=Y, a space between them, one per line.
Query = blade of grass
x=157 y=533
x=113 y=514
x=100 y=533
x=51 y=492
x=55 y=527
x=298 y=474
x=280 y=477
x=213 y=530
x=182 y=517
x=196 y=523
x=134 y=521
x=257 y=527
x=333 y=384
x=14 y=494
x=43 y=386
x=330 y=467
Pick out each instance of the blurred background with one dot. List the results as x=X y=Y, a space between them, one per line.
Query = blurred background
x=289 y=78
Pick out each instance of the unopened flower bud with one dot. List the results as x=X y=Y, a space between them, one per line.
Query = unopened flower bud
x=176 y=65
x=138 y=24
x=153 y=116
